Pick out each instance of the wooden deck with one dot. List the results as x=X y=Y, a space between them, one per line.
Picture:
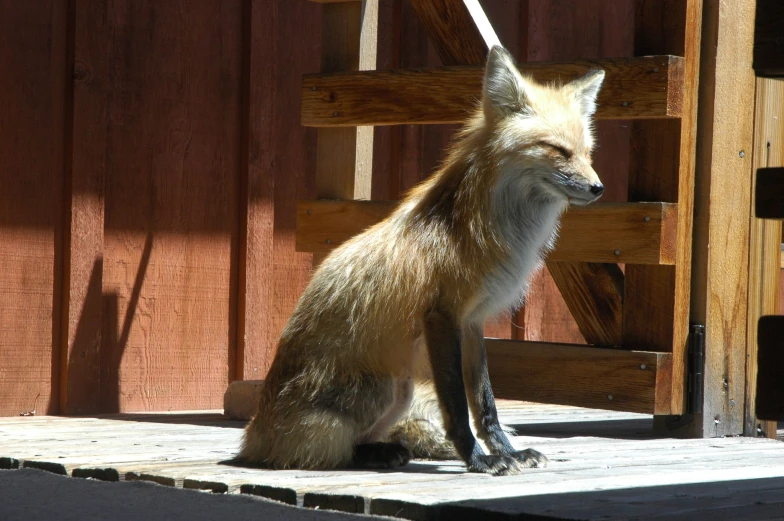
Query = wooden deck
x=605 y=465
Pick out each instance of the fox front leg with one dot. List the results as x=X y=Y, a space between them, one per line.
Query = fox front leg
x=482 y=402
x=443 y=344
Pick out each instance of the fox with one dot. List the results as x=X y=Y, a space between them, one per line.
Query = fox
x=383 y=358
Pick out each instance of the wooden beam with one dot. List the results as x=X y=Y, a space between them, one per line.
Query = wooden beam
x=598 y=302
x=769 y=39
x=765 y=239
x=460 y=34
x=769 y=400
x=656 y=298
x=769 y=191
x=614 y=232
x=345 y=155
x=645 y=87
x=564 y=374
x=722 y=200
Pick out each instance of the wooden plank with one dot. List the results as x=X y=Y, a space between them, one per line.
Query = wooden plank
x=644 y=87
x=458 y=32
x=768 y=39
x=765 y=238
x=345 y=156
x=599 y=233
x=169 y=110
x=722 y=193
x=598 y=301
x=33 y=124
x=769 y=189
x=656 y=298
x=281 y=157
x=574 y=375
x=80 y=374
x=769 y=402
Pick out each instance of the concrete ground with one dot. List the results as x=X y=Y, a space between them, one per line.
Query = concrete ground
x=35 y=495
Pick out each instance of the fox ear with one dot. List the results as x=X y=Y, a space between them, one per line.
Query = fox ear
x=587 y=88
x=504 y=88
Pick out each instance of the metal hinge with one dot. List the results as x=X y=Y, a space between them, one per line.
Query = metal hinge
x=696 y=363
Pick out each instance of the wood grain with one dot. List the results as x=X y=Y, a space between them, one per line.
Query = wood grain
x=656 y=298
x=453 y=31
x=574 y=375
x=33 y=120
x=598 y=233
x=722 y=194
x=171 y=160
x=768 y=40
x=597 y=300
x=765 y=237
x=80 y=371
x=646 y=87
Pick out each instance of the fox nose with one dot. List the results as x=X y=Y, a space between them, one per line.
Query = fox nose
x=597 y=190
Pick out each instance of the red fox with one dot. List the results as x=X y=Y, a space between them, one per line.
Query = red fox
x=404 y=302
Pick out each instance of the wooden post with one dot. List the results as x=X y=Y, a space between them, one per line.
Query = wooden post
x=764 y=243
x=723 y=185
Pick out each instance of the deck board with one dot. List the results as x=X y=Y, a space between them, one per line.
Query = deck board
x=605 y=465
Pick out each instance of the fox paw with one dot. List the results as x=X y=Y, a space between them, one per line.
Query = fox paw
x=381 y=455
x=531 y=458
x=496 y=465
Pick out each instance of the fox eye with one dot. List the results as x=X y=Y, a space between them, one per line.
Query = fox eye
x=558 y=148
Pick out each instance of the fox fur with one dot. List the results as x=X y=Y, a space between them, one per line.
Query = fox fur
x=397 y=312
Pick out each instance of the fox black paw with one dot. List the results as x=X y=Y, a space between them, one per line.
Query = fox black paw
x=381 y=456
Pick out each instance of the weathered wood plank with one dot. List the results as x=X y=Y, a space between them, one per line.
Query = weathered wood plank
x=575 y=375
x=769 y=190
x=765 y=239
x=768 y=39
x=646 y=87
x=656 y=298
x=642 y=233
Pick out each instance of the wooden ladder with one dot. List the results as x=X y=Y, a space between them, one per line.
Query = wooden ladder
x=636 y=320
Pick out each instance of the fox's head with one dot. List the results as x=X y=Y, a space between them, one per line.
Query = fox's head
x=543 y=133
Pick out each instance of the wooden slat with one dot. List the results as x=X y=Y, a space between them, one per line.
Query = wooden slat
x=769 y=403
x=765 y=239
x=80 y=376
x=461 y=35
x=615 y=379
x=33 y=147
x=615 y=232
x=769 y=192
x=722 y=201
x=769 y=39
x=656 y=298
x=598 y=302
x=645 y=87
